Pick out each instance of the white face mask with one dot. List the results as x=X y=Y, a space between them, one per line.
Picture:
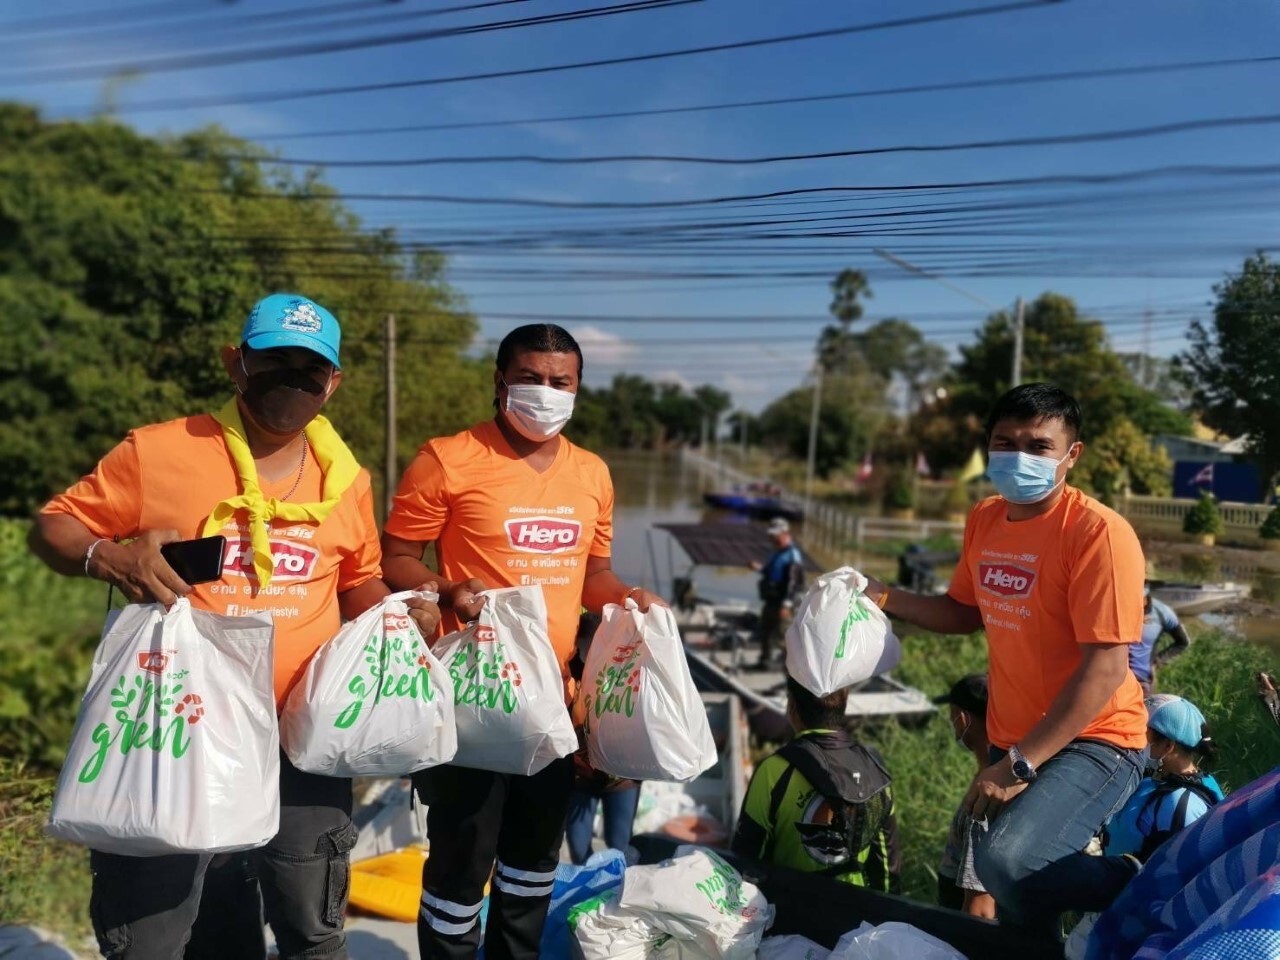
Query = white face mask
x=536 y=412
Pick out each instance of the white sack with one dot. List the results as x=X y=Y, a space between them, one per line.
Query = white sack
x=892 y=941
x=839 y=637
x=644 y=717
x=373 y=702
x=507 y=692
x=697 y=896
x=175 y=749
x=791 y=947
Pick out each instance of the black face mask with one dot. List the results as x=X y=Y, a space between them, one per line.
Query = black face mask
x=282 y=401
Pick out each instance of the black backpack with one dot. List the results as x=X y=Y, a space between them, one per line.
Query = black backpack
x=852 y=779
x=1165 y=787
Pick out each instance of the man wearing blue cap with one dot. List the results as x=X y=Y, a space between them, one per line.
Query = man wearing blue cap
x=273 y=477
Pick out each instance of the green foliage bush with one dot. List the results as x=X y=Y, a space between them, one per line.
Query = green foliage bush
x=49 y=626
x=899 y=493
x=1270 y=529
x=1204 y=517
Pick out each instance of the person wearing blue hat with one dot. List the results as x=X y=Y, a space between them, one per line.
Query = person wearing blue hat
x=1174 y=793
x=270 y=477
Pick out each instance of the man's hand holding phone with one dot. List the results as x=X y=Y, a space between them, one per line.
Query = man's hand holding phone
x=138 y=569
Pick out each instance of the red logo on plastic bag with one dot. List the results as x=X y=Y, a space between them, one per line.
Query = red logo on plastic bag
x=153 y=662
x=293 y=561
x=485 y=633
x=393 y=622
x=543 y=534
x=1006 y=579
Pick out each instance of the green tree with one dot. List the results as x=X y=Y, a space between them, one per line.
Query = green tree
x=1233 y=360
x=1123 y=456
x=1064 y=348
x=126 y=262
x=836 y=343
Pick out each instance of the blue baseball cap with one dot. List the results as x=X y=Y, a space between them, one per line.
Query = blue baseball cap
x=1176 y=718
x=288 y=320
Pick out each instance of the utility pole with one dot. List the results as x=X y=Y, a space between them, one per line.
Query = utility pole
x=1019 y=318
x=389 y=373
x=813 y=435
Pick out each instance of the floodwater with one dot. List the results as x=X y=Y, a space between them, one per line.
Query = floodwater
x=654 y=488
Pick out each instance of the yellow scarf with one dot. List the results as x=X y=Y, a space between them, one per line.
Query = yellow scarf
x=336 y=462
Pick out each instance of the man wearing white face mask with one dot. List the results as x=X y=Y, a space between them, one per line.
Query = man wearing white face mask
x=508 y=502
x=1055 y=579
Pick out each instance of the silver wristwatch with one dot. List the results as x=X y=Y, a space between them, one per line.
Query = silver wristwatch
x=1022 y=768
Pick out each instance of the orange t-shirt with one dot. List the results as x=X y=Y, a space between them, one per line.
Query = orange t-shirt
x=495 y=518
x=1044 y=586
x=171 y=475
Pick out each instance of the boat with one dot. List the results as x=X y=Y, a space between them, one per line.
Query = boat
x=1190 y=599
x=720 y=642
x=756 y=506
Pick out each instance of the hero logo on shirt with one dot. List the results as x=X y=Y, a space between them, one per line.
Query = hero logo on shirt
x=1006 y=579
x=543 y=534
x=293 y=561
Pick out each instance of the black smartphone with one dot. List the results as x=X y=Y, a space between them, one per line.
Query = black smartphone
x=196 y=561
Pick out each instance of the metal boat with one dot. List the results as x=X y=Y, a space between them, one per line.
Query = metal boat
x=1193 y=598
x=721 y=647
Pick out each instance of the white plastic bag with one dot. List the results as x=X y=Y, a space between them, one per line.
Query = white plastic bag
x=697 y=896
x=838 y=636
x=175 y=749
x=373 y=702
x=507 y=692
x=605 y=933
x=644 y=718
x=892 y=941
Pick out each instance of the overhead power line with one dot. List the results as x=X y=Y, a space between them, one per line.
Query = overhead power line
x=1096 y=136
x=276 y=96
x=1053 y=179
x=988 y=83
x=222 y=58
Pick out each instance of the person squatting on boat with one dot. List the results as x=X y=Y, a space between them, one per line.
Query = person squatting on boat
x=491 y=499
x=271 y=475
x=1055 y=579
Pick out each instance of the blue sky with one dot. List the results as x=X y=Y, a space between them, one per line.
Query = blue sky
x=1119 y=249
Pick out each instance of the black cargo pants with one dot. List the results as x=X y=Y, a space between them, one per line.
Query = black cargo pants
x=176 y=907
x=474 y=816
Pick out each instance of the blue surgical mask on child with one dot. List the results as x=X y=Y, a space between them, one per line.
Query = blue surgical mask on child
x=1023 y=477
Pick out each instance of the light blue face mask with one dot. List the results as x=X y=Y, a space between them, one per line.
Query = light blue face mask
x=1023 y=477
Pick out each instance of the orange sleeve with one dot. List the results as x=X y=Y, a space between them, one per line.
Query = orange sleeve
x=109 y=500
x=362 y=554
x=961 y=589
x=1105 y=592
x=602 y=543
x=421 y=505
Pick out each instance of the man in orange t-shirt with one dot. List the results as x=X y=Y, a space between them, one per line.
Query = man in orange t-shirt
x=195 y=476
x=1055 y=578
x=508 y=502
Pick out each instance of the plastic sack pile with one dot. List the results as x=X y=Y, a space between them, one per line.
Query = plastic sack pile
x=1211 y=892
x=694 y=906
x=839 y=637
x=644 y=719
x=175 y=749
x=373 y=702
x=507 y=693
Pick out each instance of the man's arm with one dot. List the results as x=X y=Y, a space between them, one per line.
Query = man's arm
x=603 y=586
x=403 y=569
x=883 y=868
x=1103 y=667
x=353 y=602
x=1177 y=634
x=936 y=614
x=135 y=568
